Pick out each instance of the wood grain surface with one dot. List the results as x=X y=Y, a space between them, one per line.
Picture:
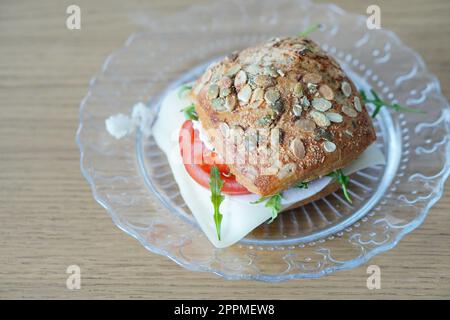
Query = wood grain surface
x=49 y=219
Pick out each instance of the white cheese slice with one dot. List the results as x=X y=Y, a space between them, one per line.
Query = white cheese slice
x=240 y=217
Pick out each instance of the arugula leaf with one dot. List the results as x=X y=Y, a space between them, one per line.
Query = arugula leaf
x=273 y=203
x=216 y=185
x=379 y=103
x=183 y=90
x=302 y=185
x=343 y=180
x=190 y=113
x=309 y=30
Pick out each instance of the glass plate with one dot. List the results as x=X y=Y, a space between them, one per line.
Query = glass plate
x=132 y=179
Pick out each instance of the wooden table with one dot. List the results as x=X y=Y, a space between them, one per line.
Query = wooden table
x=49 y=219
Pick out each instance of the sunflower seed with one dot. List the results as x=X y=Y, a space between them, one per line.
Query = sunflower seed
x=319 y=118
x=297 y=148
x=213 y=91
x=297 y=110
x=346 y=89
x=233 y=70
x=326 y=92
x=263 y=81
x=321 y=104
x=298 y=89
x=334 y=117
x=286 y=170
x=272 y=95
x=357 y=104
x=281 y=73
x=230 y=102
x=245 y=94
x=312 y=78
x=305 y=125
x=349 y=111
x=329 y=146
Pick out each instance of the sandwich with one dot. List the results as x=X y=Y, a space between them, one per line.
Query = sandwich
x=270 y=128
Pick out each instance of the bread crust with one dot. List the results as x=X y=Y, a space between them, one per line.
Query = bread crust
x=312 y=118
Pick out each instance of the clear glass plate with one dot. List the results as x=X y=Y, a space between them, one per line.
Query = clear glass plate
x=132 y=179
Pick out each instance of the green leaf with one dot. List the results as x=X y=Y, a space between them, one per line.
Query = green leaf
x=379 y=103
x=183 y=89
x=309 y=30
x=273 y=203
x=216 y=184
x=190 y=113
x=343 y=180
x=302 y=185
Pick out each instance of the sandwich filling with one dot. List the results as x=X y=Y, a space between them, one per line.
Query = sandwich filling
x=240 y=209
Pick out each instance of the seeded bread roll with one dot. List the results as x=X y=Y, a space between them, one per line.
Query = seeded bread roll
x=283 y=112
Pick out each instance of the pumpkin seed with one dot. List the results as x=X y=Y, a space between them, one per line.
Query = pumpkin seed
x=298 y=89
x=334 y=117
x=319 y=118
x=349 y=111
x=305 y=102
x=312 y=87
x=263 y=121
x=312 y=78
x=305 y=125
x=275 y=136
x=263 y=81
x=233 y=70
x=346 y=88
x=321 y=133
x=213 y=91
x=224 y=92
x=329 y=146
x=357 y=104
x=254 y=69
x=271 y=71
x=326 y=92
x=240 y=79
x=272 y=95
x=245 y=94
x=258 y=95
x=224 y=129
x=321 y=104
x=297 y=148
x=230 y=102
x=218 y=104
x=206 y=76
x=297 y=110
x=225 y=82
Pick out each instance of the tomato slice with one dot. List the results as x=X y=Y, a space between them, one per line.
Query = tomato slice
x=198 y=160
